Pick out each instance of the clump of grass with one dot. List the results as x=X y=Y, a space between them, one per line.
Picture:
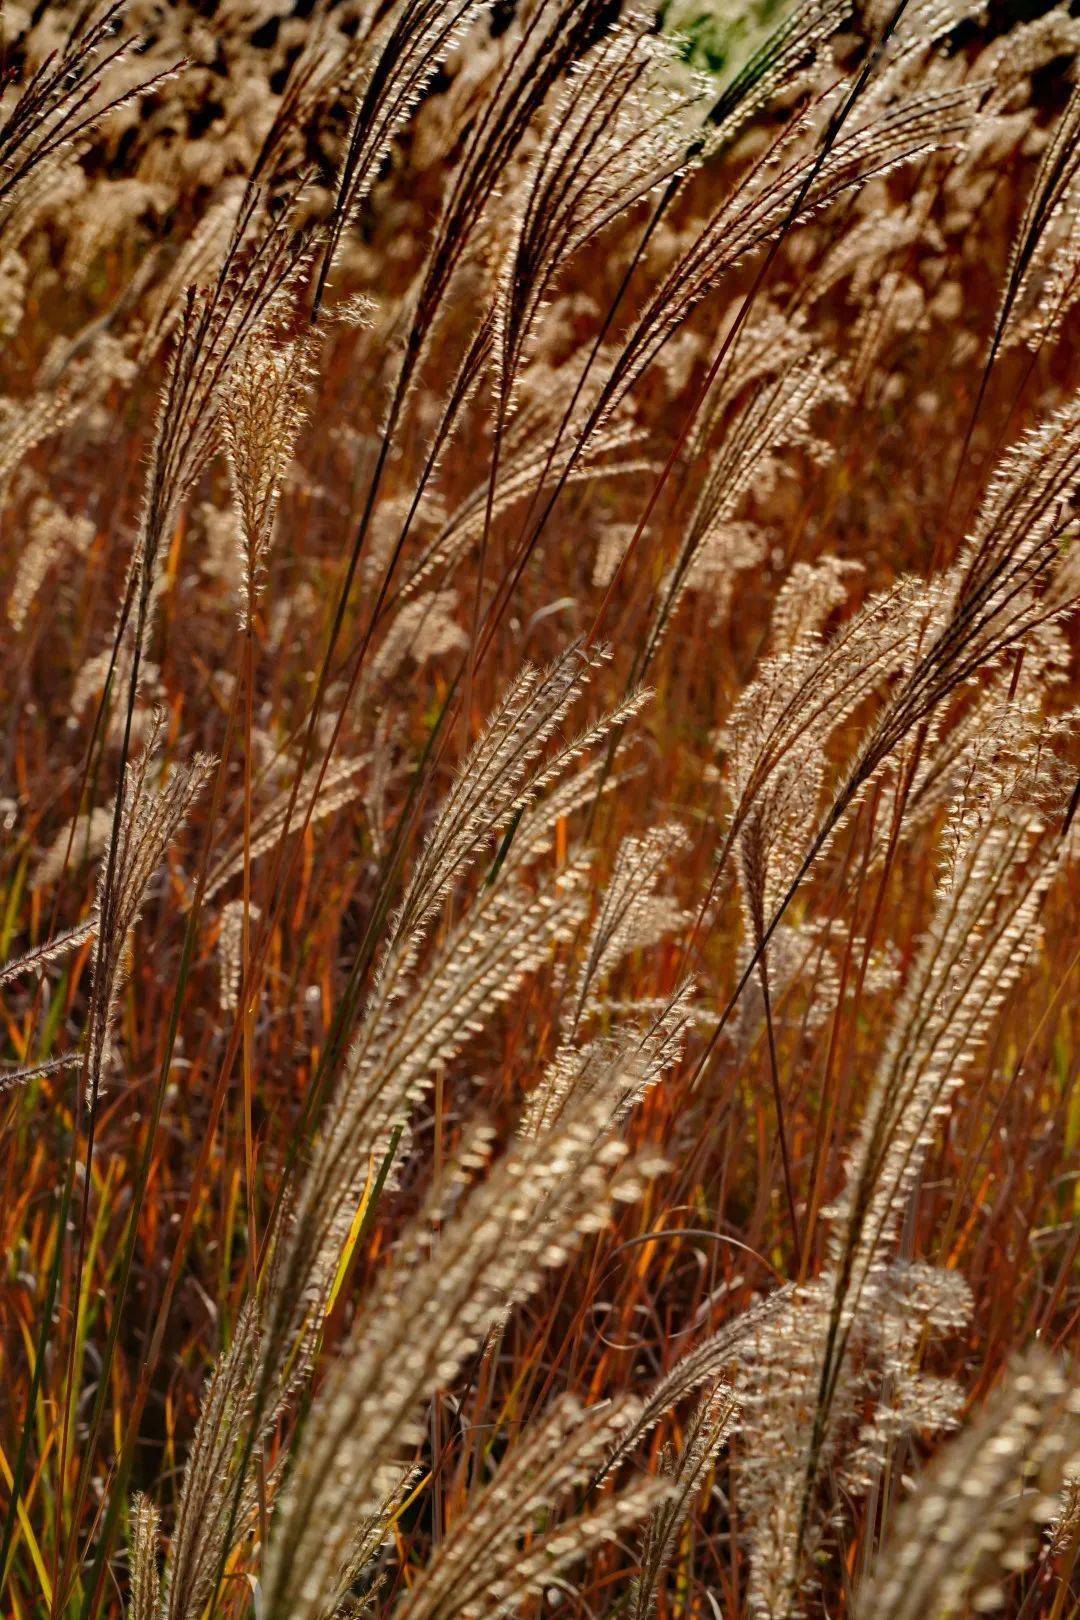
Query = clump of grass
x=539 y=806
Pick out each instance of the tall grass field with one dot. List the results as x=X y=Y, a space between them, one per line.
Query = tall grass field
x=539 y=810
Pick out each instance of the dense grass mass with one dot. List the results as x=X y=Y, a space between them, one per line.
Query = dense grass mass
x=538 y=883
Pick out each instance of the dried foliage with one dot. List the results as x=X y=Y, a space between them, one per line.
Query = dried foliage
x=540 y=809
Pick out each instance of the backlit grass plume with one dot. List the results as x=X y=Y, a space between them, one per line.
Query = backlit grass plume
x=539 y=786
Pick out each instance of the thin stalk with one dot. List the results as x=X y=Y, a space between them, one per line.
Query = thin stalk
x=249 y=1015
x=778 y=1102
x=90 y=1072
